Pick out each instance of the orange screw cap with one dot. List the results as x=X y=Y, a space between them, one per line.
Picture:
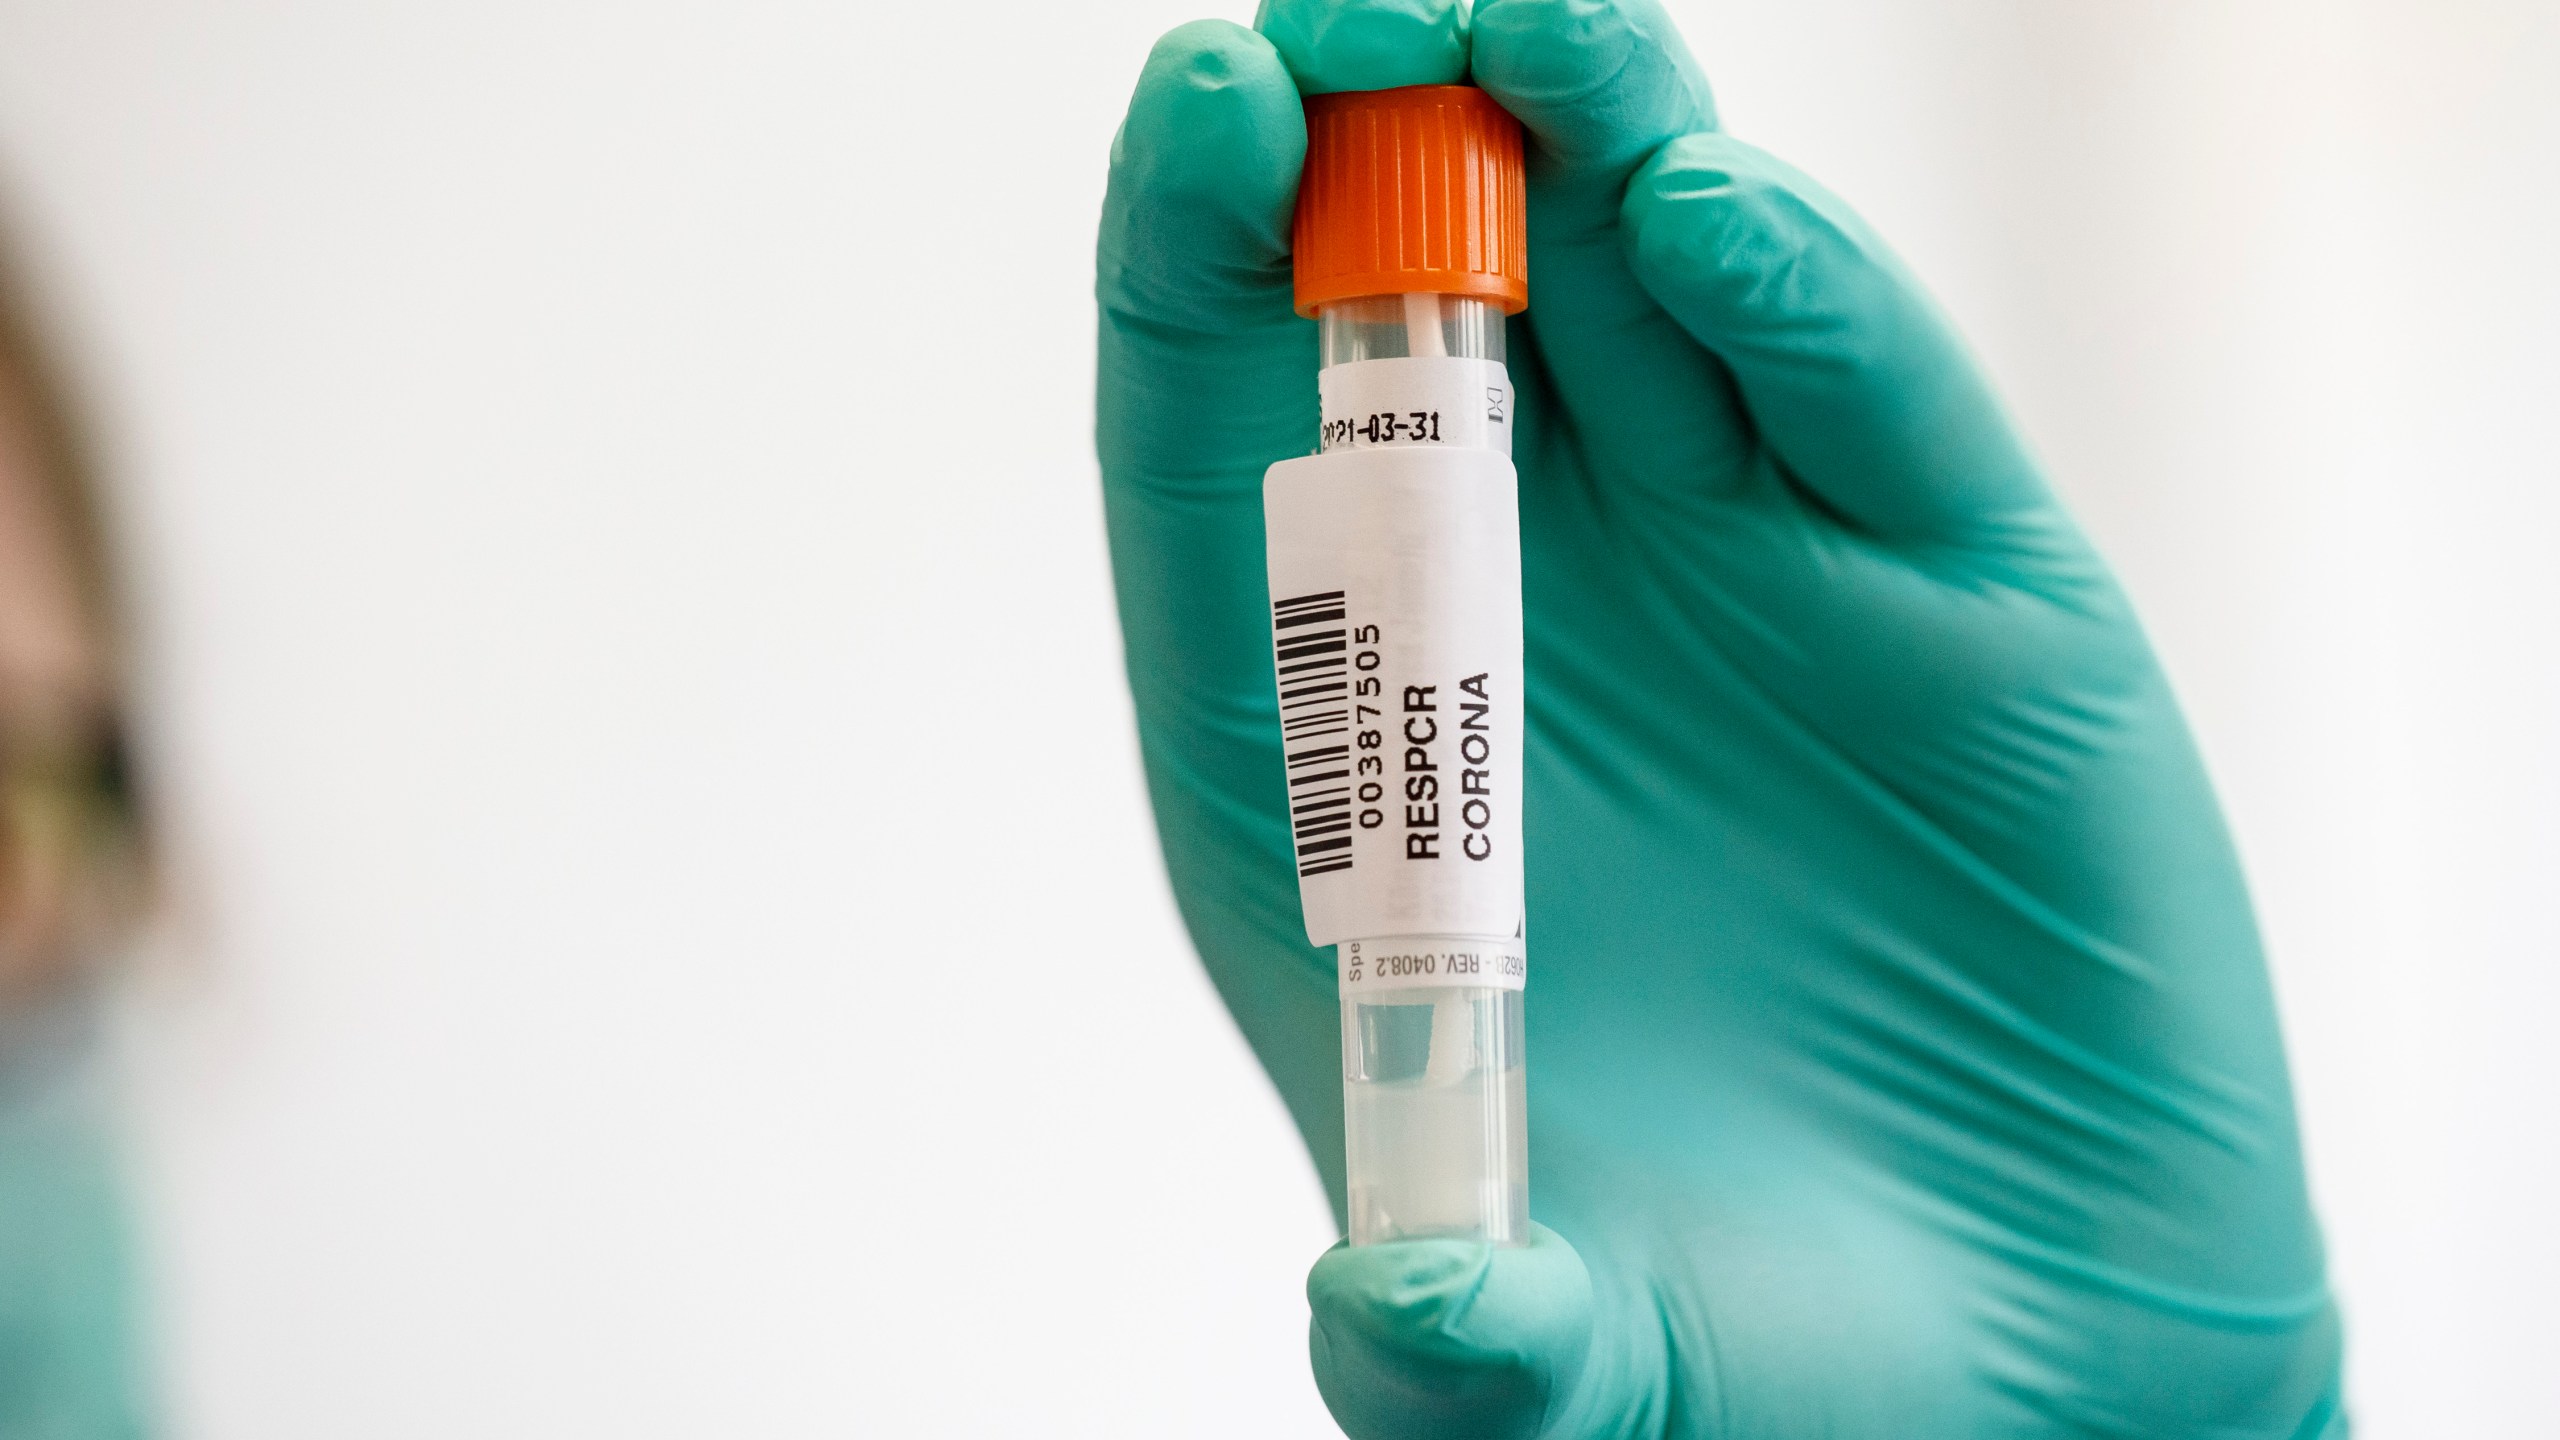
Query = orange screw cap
x=1417 y=190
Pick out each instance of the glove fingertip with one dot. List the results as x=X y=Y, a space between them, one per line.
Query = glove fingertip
x=1444 y=1338
x=1203 y=174
x=1600 y=83
x=1212 y=93
x=1330 y=46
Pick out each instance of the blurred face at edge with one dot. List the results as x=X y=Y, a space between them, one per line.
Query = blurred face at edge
x=65 y=831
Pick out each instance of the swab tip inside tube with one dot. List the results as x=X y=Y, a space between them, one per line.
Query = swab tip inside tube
x=1422 y=333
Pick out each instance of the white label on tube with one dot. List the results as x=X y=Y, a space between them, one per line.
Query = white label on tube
x=1395 y=584
x=1418 y=401
x=1425 y=962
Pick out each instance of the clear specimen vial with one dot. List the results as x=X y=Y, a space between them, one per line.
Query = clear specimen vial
x=1394 y=555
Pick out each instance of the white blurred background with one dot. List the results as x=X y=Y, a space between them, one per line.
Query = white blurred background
x=612 y=499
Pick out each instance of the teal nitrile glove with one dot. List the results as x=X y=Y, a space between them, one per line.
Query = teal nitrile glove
x=70 y=1362
x=1902 y=1061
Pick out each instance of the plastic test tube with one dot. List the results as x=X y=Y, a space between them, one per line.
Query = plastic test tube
x=1395 y=579
x=1434 y=1080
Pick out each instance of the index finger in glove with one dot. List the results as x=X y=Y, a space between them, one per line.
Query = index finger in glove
x=1205 y=372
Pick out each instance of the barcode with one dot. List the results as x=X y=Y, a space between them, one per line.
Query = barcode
x=1311 y=645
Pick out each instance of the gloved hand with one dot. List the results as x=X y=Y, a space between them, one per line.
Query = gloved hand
x=71 y=1366
x=1902 y=1061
